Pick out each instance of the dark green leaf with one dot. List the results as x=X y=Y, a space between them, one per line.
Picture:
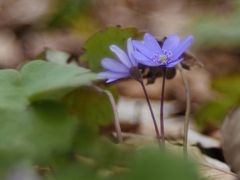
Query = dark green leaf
x=67 y=10
x=229 y=85
x=92 y=107
x=97 y=46
x=152 y=163
x=31 y=126
x=39 y=80
x=213 y=112
x=37 y=131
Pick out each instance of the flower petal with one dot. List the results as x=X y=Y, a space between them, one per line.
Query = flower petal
x=111 y=80
x=151 y=42
x=130 y=50
x=138 y=45
x=143 y=59
x=173 y=63
x=182 y=47
x=112 y=75
x=171 y=42
x=114 y=65
x=121 y=55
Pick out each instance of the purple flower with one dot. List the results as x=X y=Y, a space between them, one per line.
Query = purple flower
x=121 y=68
x=150 y=53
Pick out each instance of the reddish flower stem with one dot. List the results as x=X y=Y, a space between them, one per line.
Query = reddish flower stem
x=161 y=107
x=151 y=111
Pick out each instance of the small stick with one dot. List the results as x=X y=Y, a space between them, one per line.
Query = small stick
x=115 y=113
x=188 y=109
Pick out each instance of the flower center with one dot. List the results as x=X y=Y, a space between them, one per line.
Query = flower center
x=162 y=58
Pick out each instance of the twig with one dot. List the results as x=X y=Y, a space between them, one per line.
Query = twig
x=115 y=113
x=188 y=109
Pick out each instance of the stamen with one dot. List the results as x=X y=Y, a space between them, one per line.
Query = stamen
x=167 y=53
x=155 y=57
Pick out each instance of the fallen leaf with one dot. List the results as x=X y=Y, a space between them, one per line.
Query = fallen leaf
x=231 y=139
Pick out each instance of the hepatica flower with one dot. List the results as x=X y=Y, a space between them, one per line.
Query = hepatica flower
x=150 y=53
x=125 y=65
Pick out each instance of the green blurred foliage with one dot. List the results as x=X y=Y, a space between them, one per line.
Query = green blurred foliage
x=93 y=110
x=35 y=121
x=73 y=171
x=67 y=10
x=218 y=28
x=39 y=80
x=97 y=46
x=47 y=80
x=75 y=14
x=105 y=154
x=228 y=85
x=105 y=160
x=34 y=132
x=91 y=106
x=213 y=112
x=151 y=163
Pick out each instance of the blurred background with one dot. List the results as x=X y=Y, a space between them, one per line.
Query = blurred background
x=28 y=27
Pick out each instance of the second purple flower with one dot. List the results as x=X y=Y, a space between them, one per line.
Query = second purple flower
x=150 y=53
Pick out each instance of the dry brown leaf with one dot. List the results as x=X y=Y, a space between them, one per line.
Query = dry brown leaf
x=231 y=139
x=211 y=172
x=209 y=168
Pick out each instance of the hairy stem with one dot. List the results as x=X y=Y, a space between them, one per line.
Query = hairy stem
x=188 y=110
x=161 y=107
x=116 y=120
x=151 y=111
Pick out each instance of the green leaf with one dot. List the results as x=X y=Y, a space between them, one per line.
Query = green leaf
x=12 y=93
x=105 y=154
x=39 y=80
x=67 y=10
x=97 y=46
x=209 y=31
x=99 y=159
x=102 y=158
x=36 y=132
x=73 y=171
x=42 y=78
x=229 y=85
x=155 y=164
x=92 y=107
x=32 y=125
x=213 y=112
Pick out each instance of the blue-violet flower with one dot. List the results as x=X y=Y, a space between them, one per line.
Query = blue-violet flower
x=123 y=67
x=150 y=53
